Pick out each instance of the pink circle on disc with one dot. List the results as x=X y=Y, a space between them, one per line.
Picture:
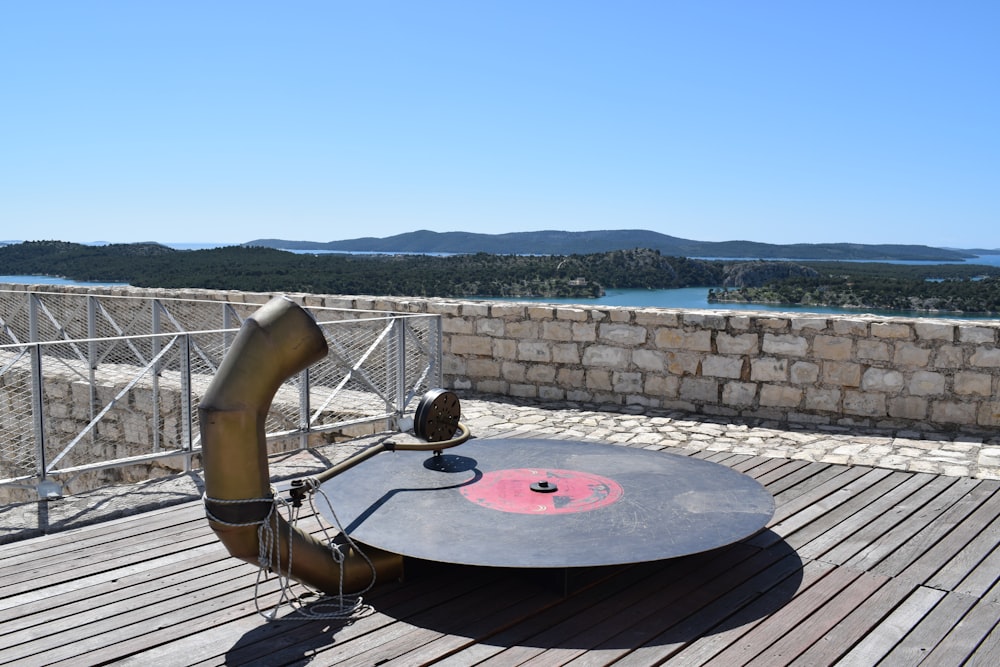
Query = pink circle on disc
x=510 y=491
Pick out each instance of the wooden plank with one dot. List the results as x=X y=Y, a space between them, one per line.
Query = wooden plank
x=289 y=640
x=829 y=529
x=810 y=507
x=966 y=635
x=826 y=650
x=734 y=627
x=928 y=524
x=779 y=475
x=929 y=553
x=932 y=628
x=815 y=478
x=811 y=629
x=773 y=628
x=987 y=654
x=884 y=637
x=965 y=561
x=630 y=619
x=653 y=577
x=890 y=511
x=667 y=632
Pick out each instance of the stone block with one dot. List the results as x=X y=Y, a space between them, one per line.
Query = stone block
x=541 y=312
x=850 y=327
x=605 y=355
x=458 y=325
x=837 y=348
x=491 y=387
x=739 y=394
x=649 y=360
x=977 y=335
x=557 y=330
x=662 y=385
x=470 y=345
x=794 y=346
x=699 y=390
x=522 y=329
x=780 y=396
x=565 y=353
x=534 y=351
x=679 y=339
x=908 y=407
x=584 y=332
x=704 y=320
x=989 y=414
x=953 y=412
x=949 y=356
x=523 y=390
x=570 y=377
x=882 y=379
x=803 y=373
x=969 y=383
x=541 y=373
x=475 y=310
x=548 y=393
x=864 y=404
x=626 y=383
x=622 y=334
x=913 y=356
x=724 y=367
x=874 y=350
x=926 y=383
x=483 y=368
x=490 y=326
x=571 y=314
x=504 y=348
x=895 y=330
x=985 y=357
x=769 y=369
x=934 y=331
x=746 y=343
x=507 y=311
x=811 y=323
x=823 y=400
x=682 y=363
x=598 y=380
x=841 y=373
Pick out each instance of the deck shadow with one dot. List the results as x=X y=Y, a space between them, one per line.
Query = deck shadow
x=668 y=602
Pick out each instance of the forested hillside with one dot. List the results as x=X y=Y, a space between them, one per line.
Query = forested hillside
x=967 y=288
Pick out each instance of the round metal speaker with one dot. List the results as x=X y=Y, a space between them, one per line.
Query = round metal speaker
x=437 y=415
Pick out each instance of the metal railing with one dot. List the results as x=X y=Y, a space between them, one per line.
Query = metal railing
x=96 y=389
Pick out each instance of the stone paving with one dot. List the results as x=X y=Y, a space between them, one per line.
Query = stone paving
x=937 y=453
x=956 y=455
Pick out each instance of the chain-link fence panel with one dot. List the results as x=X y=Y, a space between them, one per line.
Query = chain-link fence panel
x=124 y=406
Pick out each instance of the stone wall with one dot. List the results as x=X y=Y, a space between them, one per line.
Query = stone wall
x=912 y=373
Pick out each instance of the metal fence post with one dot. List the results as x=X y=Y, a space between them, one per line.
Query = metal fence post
x=399 y=336
x=304 y=425
x=186 y=399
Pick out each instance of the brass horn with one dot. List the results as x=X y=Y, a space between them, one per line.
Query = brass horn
x=277 y=341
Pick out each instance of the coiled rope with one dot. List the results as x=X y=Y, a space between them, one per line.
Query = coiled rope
x=324 y=607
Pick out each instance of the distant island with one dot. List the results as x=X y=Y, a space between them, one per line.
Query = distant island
x=949 y=287
x=576 y=243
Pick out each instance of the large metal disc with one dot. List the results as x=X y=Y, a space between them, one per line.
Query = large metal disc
x=538 y=503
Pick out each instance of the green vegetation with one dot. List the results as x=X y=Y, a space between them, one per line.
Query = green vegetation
x=964 y=288
x=941 y=287
x=267 y=269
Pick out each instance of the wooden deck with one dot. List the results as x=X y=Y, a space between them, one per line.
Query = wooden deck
x=860 y=566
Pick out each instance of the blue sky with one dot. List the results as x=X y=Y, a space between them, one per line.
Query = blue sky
x=781 y=122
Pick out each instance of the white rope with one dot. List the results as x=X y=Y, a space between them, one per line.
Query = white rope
x=336 y=607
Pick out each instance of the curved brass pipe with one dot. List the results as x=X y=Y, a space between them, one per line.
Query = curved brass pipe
x=277 y=341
